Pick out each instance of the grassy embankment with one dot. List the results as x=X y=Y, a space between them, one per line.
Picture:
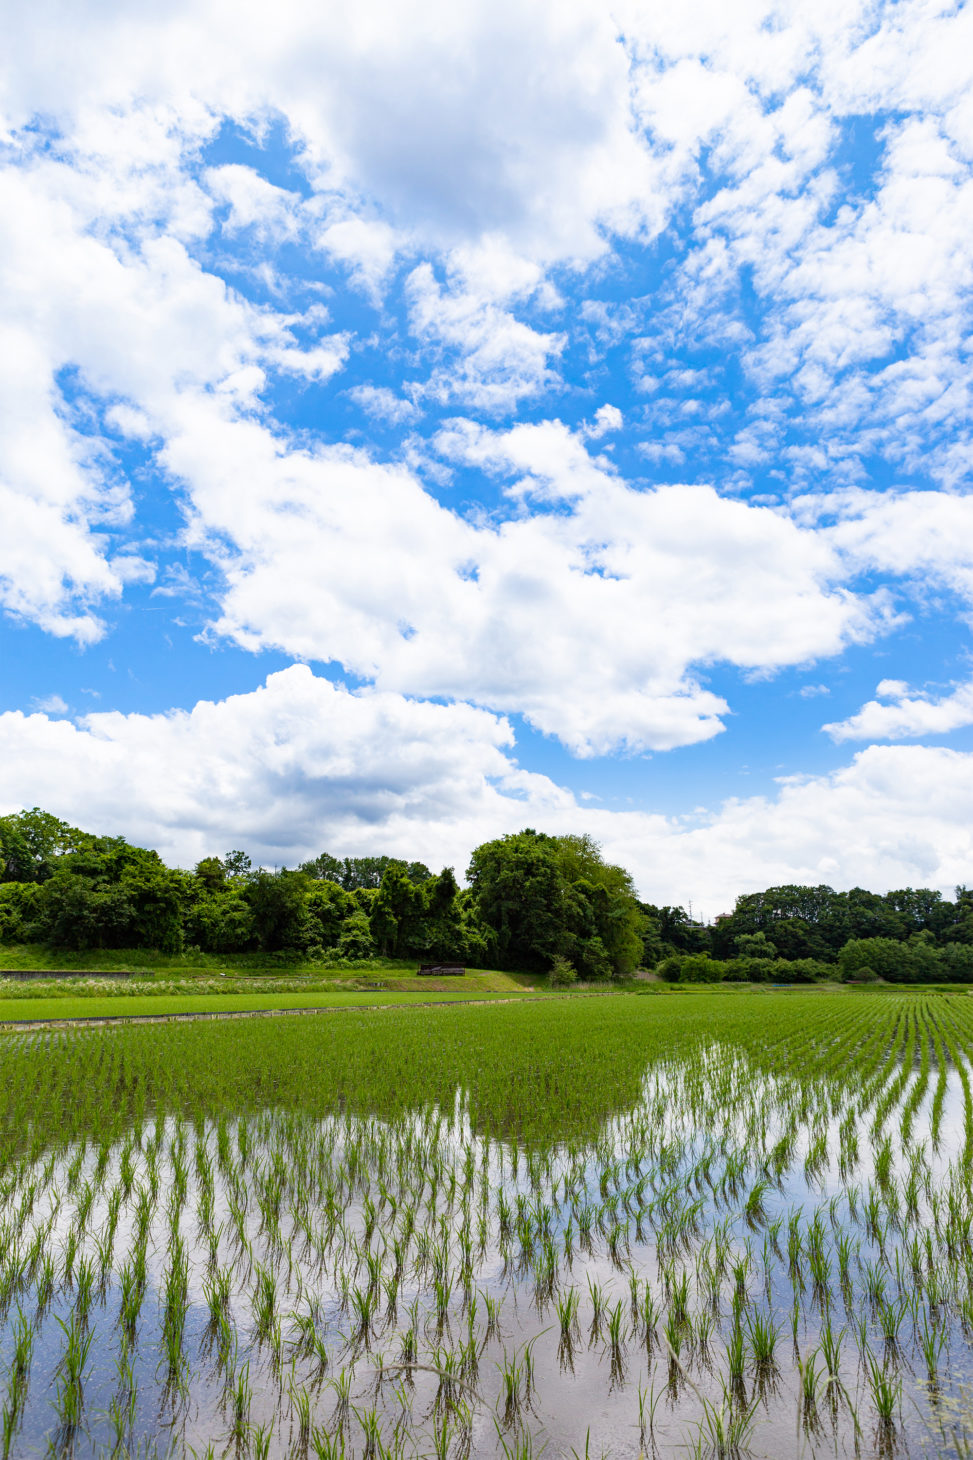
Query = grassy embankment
x=151 y=983
x=155 y=984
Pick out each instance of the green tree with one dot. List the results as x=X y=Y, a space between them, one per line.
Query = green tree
x=518 y=887
x=277 y=902
x=355 y=937
x=754 y=945
x=677 y=931
x=444 y=929
x=32 y=843
x=397 y=912
x=543 y=896
x=326 y=905
x=323 y=868
x=887 y=958
x=112 y=895
x=957 y=962
x=211 y=874
x=237 y=866
x=18 y=910
x=221 y=923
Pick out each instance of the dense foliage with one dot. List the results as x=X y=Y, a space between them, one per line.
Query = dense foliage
x=531 y=898
x=795 y=934
x=533 y=902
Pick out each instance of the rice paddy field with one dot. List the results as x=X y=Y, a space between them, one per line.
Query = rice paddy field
x=625 y=1226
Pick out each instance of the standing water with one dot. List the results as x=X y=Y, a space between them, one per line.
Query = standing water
x=648 y=1226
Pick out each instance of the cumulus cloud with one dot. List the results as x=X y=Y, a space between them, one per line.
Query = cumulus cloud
x=126 y=327
x=607 y=420
x=593 y=609
x=896 y=816
x=858 y=261
x=438 y=131
x=301 y=765
x=906 y=713
x=924 y=538
x=295 y=766
x=388 y=104
x=253 y=202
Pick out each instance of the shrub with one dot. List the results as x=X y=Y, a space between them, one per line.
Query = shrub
x=691 y=968
x=804 y=970
x=915 y=961
x=563 y=972
x=753 y=970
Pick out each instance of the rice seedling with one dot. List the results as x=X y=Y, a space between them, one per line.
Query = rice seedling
x=240 y=1400
x=932 y=1340
x=886 y=1390
x=810 y=1377
x=763 y=1340
x=567 y=1312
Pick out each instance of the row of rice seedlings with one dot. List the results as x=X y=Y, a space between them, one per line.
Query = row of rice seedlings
x=289 y=1184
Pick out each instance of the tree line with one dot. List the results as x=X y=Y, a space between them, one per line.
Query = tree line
x=794 y=934
x=544 y=904
x=532 y=901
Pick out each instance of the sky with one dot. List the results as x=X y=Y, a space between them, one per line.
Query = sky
x=421 y=421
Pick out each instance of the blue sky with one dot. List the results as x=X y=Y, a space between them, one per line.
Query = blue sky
x=424 y=423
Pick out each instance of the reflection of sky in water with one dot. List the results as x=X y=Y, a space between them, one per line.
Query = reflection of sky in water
x=679 y=1167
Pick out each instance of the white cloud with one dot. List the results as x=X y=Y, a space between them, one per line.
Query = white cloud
x=475 y=151
x=254 y=202
x=607 y=420
x=501 y=359
x=459 y=122
x=383 y=404
x=285 y=770
x=319 y=362
x=149 y=326
x=863 y=277
x=591 y=610
x=909 y=714
x=301 y=765
x=896 y=816
x=368 y=247
x=925 y=538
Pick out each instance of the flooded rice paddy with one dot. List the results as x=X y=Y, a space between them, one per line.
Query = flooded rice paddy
x=634 y=1226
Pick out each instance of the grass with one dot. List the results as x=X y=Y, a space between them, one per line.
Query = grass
x=135 y=1005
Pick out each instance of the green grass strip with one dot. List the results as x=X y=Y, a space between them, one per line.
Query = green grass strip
x=131 y=1006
